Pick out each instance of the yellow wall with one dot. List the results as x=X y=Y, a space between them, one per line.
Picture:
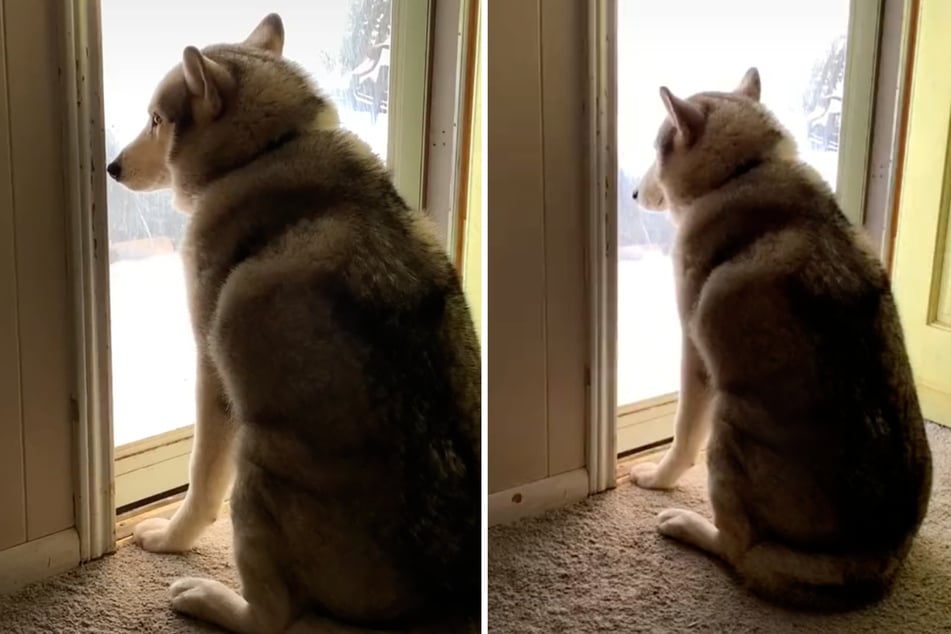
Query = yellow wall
x=472 y=254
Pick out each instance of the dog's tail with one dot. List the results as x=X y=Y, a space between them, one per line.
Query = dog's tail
x=819 y=582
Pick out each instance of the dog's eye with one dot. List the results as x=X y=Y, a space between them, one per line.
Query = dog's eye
x=156 y=120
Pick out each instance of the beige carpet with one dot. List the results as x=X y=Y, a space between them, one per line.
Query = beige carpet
x=124 y=592
x=600 y=566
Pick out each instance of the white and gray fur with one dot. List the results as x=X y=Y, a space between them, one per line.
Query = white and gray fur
x=338 y=368
x=794 y=364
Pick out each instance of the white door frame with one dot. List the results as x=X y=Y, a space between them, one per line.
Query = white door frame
x=858 y=100
x=84 y=137
x=602 y=246
x=443 y=135
x=408 y=97
x=860 y=75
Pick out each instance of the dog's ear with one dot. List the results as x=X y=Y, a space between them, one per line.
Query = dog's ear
x=749 y=85
x=686 y=117
x=205 y=79
x=268 y=35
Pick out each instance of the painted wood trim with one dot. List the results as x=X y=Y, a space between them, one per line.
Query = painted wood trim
x=473 y=269
x=12 y=485
x=152 y=466
x=38 y=559
x=139 y=449
x=601 y=244
x=535 y=498
x=409 y=97
x=859 y=99
x=442 y=137
x=468 y=127
x=909 y=44
x=641 y=428
x=935 y=404
x=88 y=263
x=647 y=403
x=886 y=125
x=154 y=477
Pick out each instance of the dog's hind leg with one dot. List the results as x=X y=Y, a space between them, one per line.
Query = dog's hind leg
x=264 y=605
x=690 y=528
x=213 y=602
x=211 y=471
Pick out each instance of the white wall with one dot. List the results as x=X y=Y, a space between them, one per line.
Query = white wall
x=536 y=204
x=36 y=459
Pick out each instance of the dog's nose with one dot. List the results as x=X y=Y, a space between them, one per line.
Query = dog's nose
x=635 y=194
x=114 y=169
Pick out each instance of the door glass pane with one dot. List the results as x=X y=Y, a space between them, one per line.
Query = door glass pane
x=344 y=44
x=692 y=46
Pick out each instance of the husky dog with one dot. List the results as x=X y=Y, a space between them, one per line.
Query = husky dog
x=338 y=367
x=794 y=365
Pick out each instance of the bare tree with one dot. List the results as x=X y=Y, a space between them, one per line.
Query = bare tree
x=827 y=74
x=368 y=26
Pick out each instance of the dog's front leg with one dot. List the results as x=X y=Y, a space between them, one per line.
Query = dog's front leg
x=691 y=425
x=211 y=471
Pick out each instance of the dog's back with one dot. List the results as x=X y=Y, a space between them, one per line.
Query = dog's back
x=818 y=437
x=820 y=470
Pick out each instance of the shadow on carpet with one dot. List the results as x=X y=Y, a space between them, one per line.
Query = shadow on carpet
x=600 y=566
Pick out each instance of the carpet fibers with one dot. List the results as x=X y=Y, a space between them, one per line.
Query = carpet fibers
x=120 y=593
x=600 y=566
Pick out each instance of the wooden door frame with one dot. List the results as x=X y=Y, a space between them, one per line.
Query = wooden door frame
x=468 y=79
x=84 y=135
x=911 y=10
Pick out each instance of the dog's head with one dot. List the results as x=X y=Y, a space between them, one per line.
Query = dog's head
x=708 y=139
x=216 y=110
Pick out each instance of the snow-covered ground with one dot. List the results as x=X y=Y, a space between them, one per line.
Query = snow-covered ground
x=153 y=352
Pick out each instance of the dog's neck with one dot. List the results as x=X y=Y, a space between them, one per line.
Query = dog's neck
x=715 y=227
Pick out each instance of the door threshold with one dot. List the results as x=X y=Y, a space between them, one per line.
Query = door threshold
x=163 y=507
x=625 y=462
x=649 y=454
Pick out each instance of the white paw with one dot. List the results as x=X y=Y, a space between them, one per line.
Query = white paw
x=197 y=597
x=155 y=535
x=675 y=523
x=649 y=475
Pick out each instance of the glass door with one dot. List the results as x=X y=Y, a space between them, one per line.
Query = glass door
x=346 y=46
x=691 y=46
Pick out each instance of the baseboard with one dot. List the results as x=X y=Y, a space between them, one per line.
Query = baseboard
x=935 y=404
x=537 y=497
x=38 y=559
